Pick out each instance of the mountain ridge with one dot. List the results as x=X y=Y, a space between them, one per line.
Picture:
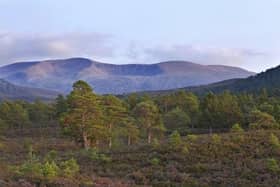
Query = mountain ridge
x=9 y=91
x=269 y=80
x=116 y=79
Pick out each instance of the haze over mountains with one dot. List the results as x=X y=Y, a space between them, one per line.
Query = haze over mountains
x=116 y=79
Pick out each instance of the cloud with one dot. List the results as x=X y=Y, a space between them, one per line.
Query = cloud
x=16 y=47
x=202 y=54
x=97 y=46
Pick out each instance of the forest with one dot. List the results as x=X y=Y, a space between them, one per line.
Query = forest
x=86 y=139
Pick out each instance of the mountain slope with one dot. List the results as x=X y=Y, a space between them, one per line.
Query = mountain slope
x=269 y=80
x=110 y=78
x=11 y=91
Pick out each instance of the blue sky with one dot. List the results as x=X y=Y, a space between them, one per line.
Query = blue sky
x=242 y=33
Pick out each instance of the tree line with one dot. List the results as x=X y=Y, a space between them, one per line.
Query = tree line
x=105 y=120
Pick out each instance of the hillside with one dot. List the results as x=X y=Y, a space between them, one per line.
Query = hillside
x=11 y=91
x=109 y=78
x=269 y=80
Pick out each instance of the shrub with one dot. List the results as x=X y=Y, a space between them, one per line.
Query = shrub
x=175 y=139
x=95 y=156
x=261 y=120
x=29 y=169
x=216 y=139
x=272 y=165
x=51 y=156
x=274 y=141
x=70 y=168
x=155 y=161
x=185 y=148
x=236 y=128
x=155 y=143
x=50 y=170
x=192 y=137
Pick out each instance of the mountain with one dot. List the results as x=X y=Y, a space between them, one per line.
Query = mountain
x=269 y=80
x=11 y=91
x=109 y=78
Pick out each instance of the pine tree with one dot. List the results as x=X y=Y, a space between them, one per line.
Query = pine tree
x=83 y=121
x=115 y=114
x=148 y=117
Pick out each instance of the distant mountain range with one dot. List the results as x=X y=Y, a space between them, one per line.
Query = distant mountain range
x=13 y=92
x=269 y=80
x=116 y=79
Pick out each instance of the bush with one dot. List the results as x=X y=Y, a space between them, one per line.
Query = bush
x=155 y=161
x=272 y=165
x=175 y=139
x=236 y=128
x=35 y=170
x=216 y=139
x=51 y=156
x=50 y=170
x=70 y=168
x=261 y=120
x=95 y=156
x=192 y=137
x=274 y=141
x=30 y=170
x=185 y=148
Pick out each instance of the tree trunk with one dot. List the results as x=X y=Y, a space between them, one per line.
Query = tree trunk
x=110 y=139
x=86 y=141
x=128 y=140
x=149 y=136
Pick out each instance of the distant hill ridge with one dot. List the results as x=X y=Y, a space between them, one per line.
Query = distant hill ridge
x=13 y=92
x=116 y=79
x=269 y=80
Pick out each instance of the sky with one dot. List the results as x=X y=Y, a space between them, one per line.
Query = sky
x=243 y=33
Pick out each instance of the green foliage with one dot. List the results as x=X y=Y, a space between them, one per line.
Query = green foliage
x=94 y=155
x=46 y=171
x=116 y=114
x=148 y=118
x=31 y=170
x=274 y=141
x=192 y=137
x=272 y=165
x=61 y=105
x=236 y=128
x=177 y=119
x=185 y=148
x=262 y=120
x=216 y=139
x=40 y=113
x=155 y=161
x=51 y=156
x=220 y=111
x=84 y=120
x=13 y=115
x=175 y=139
x=49 y=170
x=70 y=168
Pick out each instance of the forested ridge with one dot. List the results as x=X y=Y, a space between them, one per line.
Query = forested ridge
x=179 y=138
